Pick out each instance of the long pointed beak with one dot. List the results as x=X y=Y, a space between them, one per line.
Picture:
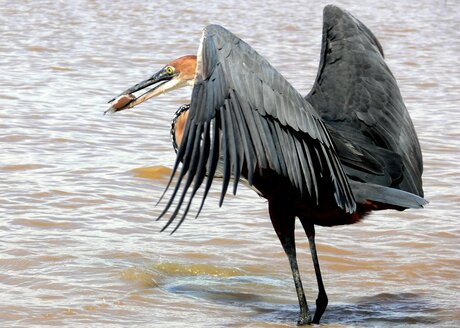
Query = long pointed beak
x=126 y=99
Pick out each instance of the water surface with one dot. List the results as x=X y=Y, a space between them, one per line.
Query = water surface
x=78 y=240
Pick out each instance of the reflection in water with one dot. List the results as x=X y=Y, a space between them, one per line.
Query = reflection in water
x=379 y=310
x=404 y=308
x=140 y=276
x=154 y=172
x=79 y=242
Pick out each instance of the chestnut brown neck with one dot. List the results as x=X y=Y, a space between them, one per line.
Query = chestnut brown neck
x=185 y=67
x=178 y=125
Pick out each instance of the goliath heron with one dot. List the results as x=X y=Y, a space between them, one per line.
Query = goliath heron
x=347 y=148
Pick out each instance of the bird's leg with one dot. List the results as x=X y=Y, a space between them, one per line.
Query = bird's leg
x=283 y=224
x=321 y=301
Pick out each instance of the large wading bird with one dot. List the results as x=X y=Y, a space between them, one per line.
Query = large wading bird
x=349 y=147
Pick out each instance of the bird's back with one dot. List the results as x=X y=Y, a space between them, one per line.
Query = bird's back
x=359 y=100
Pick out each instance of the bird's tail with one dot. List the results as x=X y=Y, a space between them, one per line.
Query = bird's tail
x=389 y=197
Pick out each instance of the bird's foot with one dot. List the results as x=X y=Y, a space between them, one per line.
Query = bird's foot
x=321 y=304
x=304 y=319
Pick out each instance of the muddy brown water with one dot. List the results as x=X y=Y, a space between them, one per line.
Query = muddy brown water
x=78 y=238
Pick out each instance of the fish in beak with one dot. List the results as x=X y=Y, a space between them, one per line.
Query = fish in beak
x=176 y=74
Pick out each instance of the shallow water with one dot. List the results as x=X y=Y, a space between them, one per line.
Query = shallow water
x=79 y=243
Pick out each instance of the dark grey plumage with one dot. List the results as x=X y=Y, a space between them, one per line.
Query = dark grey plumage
x=245 y=117
x=243 y=109
x=358 y=98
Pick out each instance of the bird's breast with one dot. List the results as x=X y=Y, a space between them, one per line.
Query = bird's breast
x=178 y=125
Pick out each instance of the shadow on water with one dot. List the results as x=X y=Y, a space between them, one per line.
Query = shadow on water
x=382 y=309
x=234 y=291
x=387 y=309
x=250 y=292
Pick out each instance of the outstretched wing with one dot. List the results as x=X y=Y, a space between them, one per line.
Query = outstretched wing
x=359 y=100
x=244 y=118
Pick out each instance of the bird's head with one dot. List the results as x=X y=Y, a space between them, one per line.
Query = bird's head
x=176 y=74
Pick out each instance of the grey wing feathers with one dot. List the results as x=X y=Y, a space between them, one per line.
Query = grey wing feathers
x=357 y=97
x=245 y=117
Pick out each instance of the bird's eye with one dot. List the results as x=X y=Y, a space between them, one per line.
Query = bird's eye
x=169 y=70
